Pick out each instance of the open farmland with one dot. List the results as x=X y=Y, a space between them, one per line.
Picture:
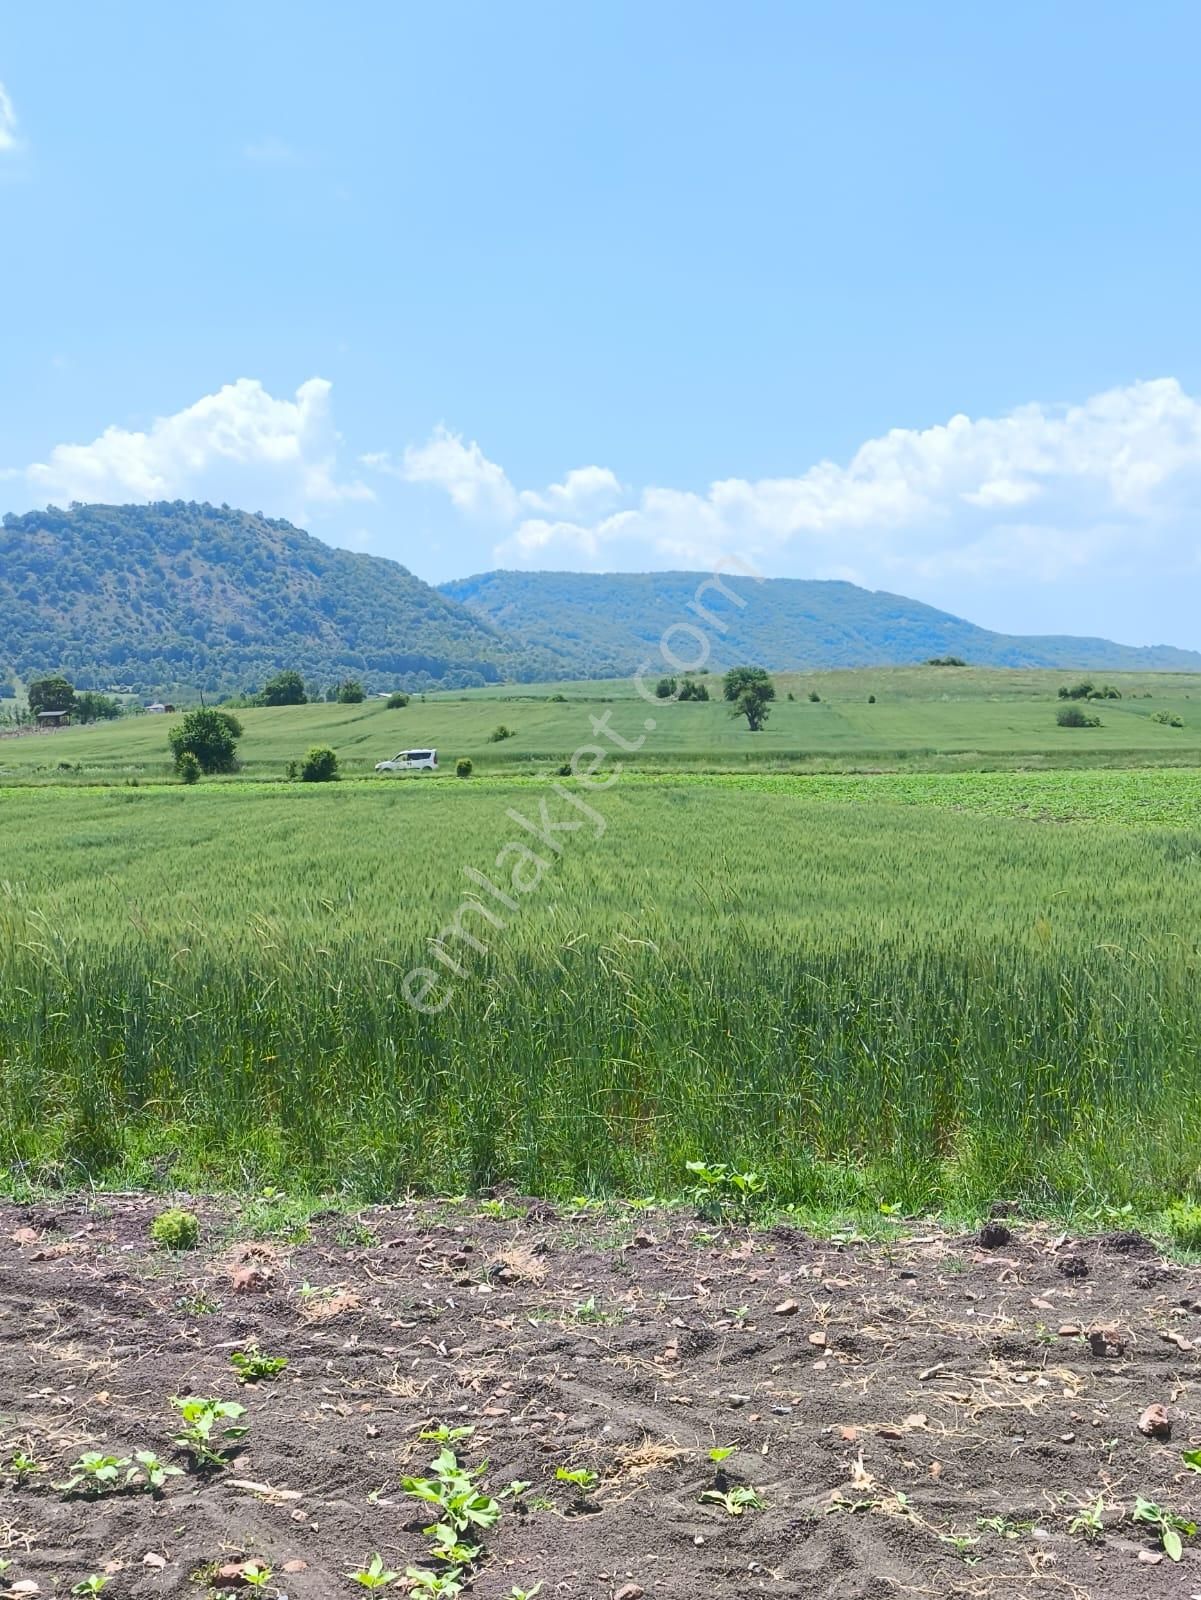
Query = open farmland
x=922 y=717
x=870 y=992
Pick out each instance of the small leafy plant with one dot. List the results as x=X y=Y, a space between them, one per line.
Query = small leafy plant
x=736 y=1501
x=423 y=1582
x=252 y=1365
x=1088 y=1522
x=207 y=1424
x=374 y=1575
x=257 y=1574
x=720 y=1189
x=24 y=1467
x=175 y=1229
x=1166 y=1524
x=154 y=1471
x=90 y=1585
x=98 y=1473
x=443 y=1434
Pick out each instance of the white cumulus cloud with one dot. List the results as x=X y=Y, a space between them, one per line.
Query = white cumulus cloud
x=240 y=444
x=8 y=122
x=1040 y=491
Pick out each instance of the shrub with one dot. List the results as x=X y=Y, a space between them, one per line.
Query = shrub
x=871 y=699
x=464 y=767
x=665 y=688
x=945 y=661
x=188 y=768
x=351 y=692
x=397 y=702
x=211 y=736
x=814 y=696
x=175 y=1229
x=691 y=690
x=1083 y=690
x=501 y=732
x=1168 y=718
x=1184 y=1224
x=1076 y=717
x=553 y=698
x=285 y=689
x=319 y=766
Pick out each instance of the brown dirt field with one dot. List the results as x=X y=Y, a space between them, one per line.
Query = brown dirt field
x=882 y=1398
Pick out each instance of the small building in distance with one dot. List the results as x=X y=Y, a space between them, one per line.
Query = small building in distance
x=54 y=719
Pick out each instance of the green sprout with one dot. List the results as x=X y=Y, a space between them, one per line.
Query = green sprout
x=373 y=1576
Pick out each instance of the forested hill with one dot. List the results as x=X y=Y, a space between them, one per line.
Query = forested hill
x=606 y=623
x=179 y=595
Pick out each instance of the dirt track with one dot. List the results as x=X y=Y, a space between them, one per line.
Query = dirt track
x=886 y=1401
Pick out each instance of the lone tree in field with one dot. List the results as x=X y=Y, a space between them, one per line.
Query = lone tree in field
x=51 y=694
x=749 y=690
x=285 y=689
x=351 y=692
x=211 y=736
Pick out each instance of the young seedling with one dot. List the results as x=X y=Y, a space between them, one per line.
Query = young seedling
x=203 y=1427
x=90 y=1585
x=99 y=1474
x=579 y=1478
x=257 y=1574
x=443 y=1434
x=1088 y=1521
x=426 y=1584
x=525 y=1594
x=736 y=1501
x=251 y=1365
x=721 y=1452
x=24 y=1467
x=1192 y=1460
x=374 y=1575
x=1166 y=1523
x=462 y=1504
x=156 y=1472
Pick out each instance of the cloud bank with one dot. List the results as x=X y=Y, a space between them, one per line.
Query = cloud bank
x=1040 y=492
x=240 y=444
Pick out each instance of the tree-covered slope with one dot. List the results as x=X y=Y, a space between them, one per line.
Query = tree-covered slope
x=178 y=595
x=605 y=624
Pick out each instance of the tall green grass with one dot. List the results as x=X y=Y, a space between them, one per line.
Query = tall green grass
x=869 y=1002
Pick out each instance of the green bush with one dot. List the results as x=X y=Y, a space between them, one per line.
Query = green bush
x=175 y=1229
x=397 y=702
x=871 y=699
x=814 y=696
x=1076 y=717
x=501 y=732
x=1184 y=1224
x=285 y=689
x=1168 y=718
x=350 y=692
x=188 y=768
x=319 y=766
x=665 y=688
x=554 y=698
x=945 y=661
x=463 y=767
x=211 y=736
x=691 y=690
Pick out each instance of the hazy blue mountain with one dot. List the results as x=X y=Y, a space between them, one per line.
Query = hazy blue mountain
x=605 y=624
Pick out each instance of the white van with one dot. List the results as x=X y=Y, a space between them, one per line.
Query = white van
x=410 y=761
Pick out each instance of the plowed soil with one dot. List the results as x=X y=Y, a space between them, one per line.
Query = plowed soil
x=923 y=1417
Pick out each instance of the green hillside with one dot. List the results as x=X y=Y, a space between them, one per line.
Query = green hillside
x=173 y=595
x=605 y=624
x=922 y=717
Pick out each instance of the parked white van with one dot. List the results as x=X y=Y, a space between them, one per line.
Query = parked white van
x=410 y=761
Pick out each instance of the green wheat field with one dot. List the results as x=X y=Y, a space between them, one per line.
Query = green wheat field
x=915 y=989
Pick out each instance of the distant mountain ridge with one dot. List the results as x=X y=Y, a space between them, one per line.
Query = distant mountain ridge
x=606 y=624
x=177 y=596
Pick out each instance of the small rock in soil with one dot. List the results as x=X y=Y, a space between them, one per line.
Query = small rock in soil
x=1155 y=1422
x=1073 y=1266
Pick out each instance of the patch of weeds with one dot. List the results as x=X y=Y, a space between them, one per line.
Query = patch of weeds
x=207 y=1424
x=199 y=1304
x=1166 y=1524
x=358 y=1235
x=252 y=1366
x=721 y=1190
x=273 y=1215
x=1184 y=1224
x=1006 y=1527
x=174 y=1229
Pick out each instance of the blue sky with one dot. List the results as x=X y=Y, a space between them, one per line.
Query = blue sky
x=902 y=293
